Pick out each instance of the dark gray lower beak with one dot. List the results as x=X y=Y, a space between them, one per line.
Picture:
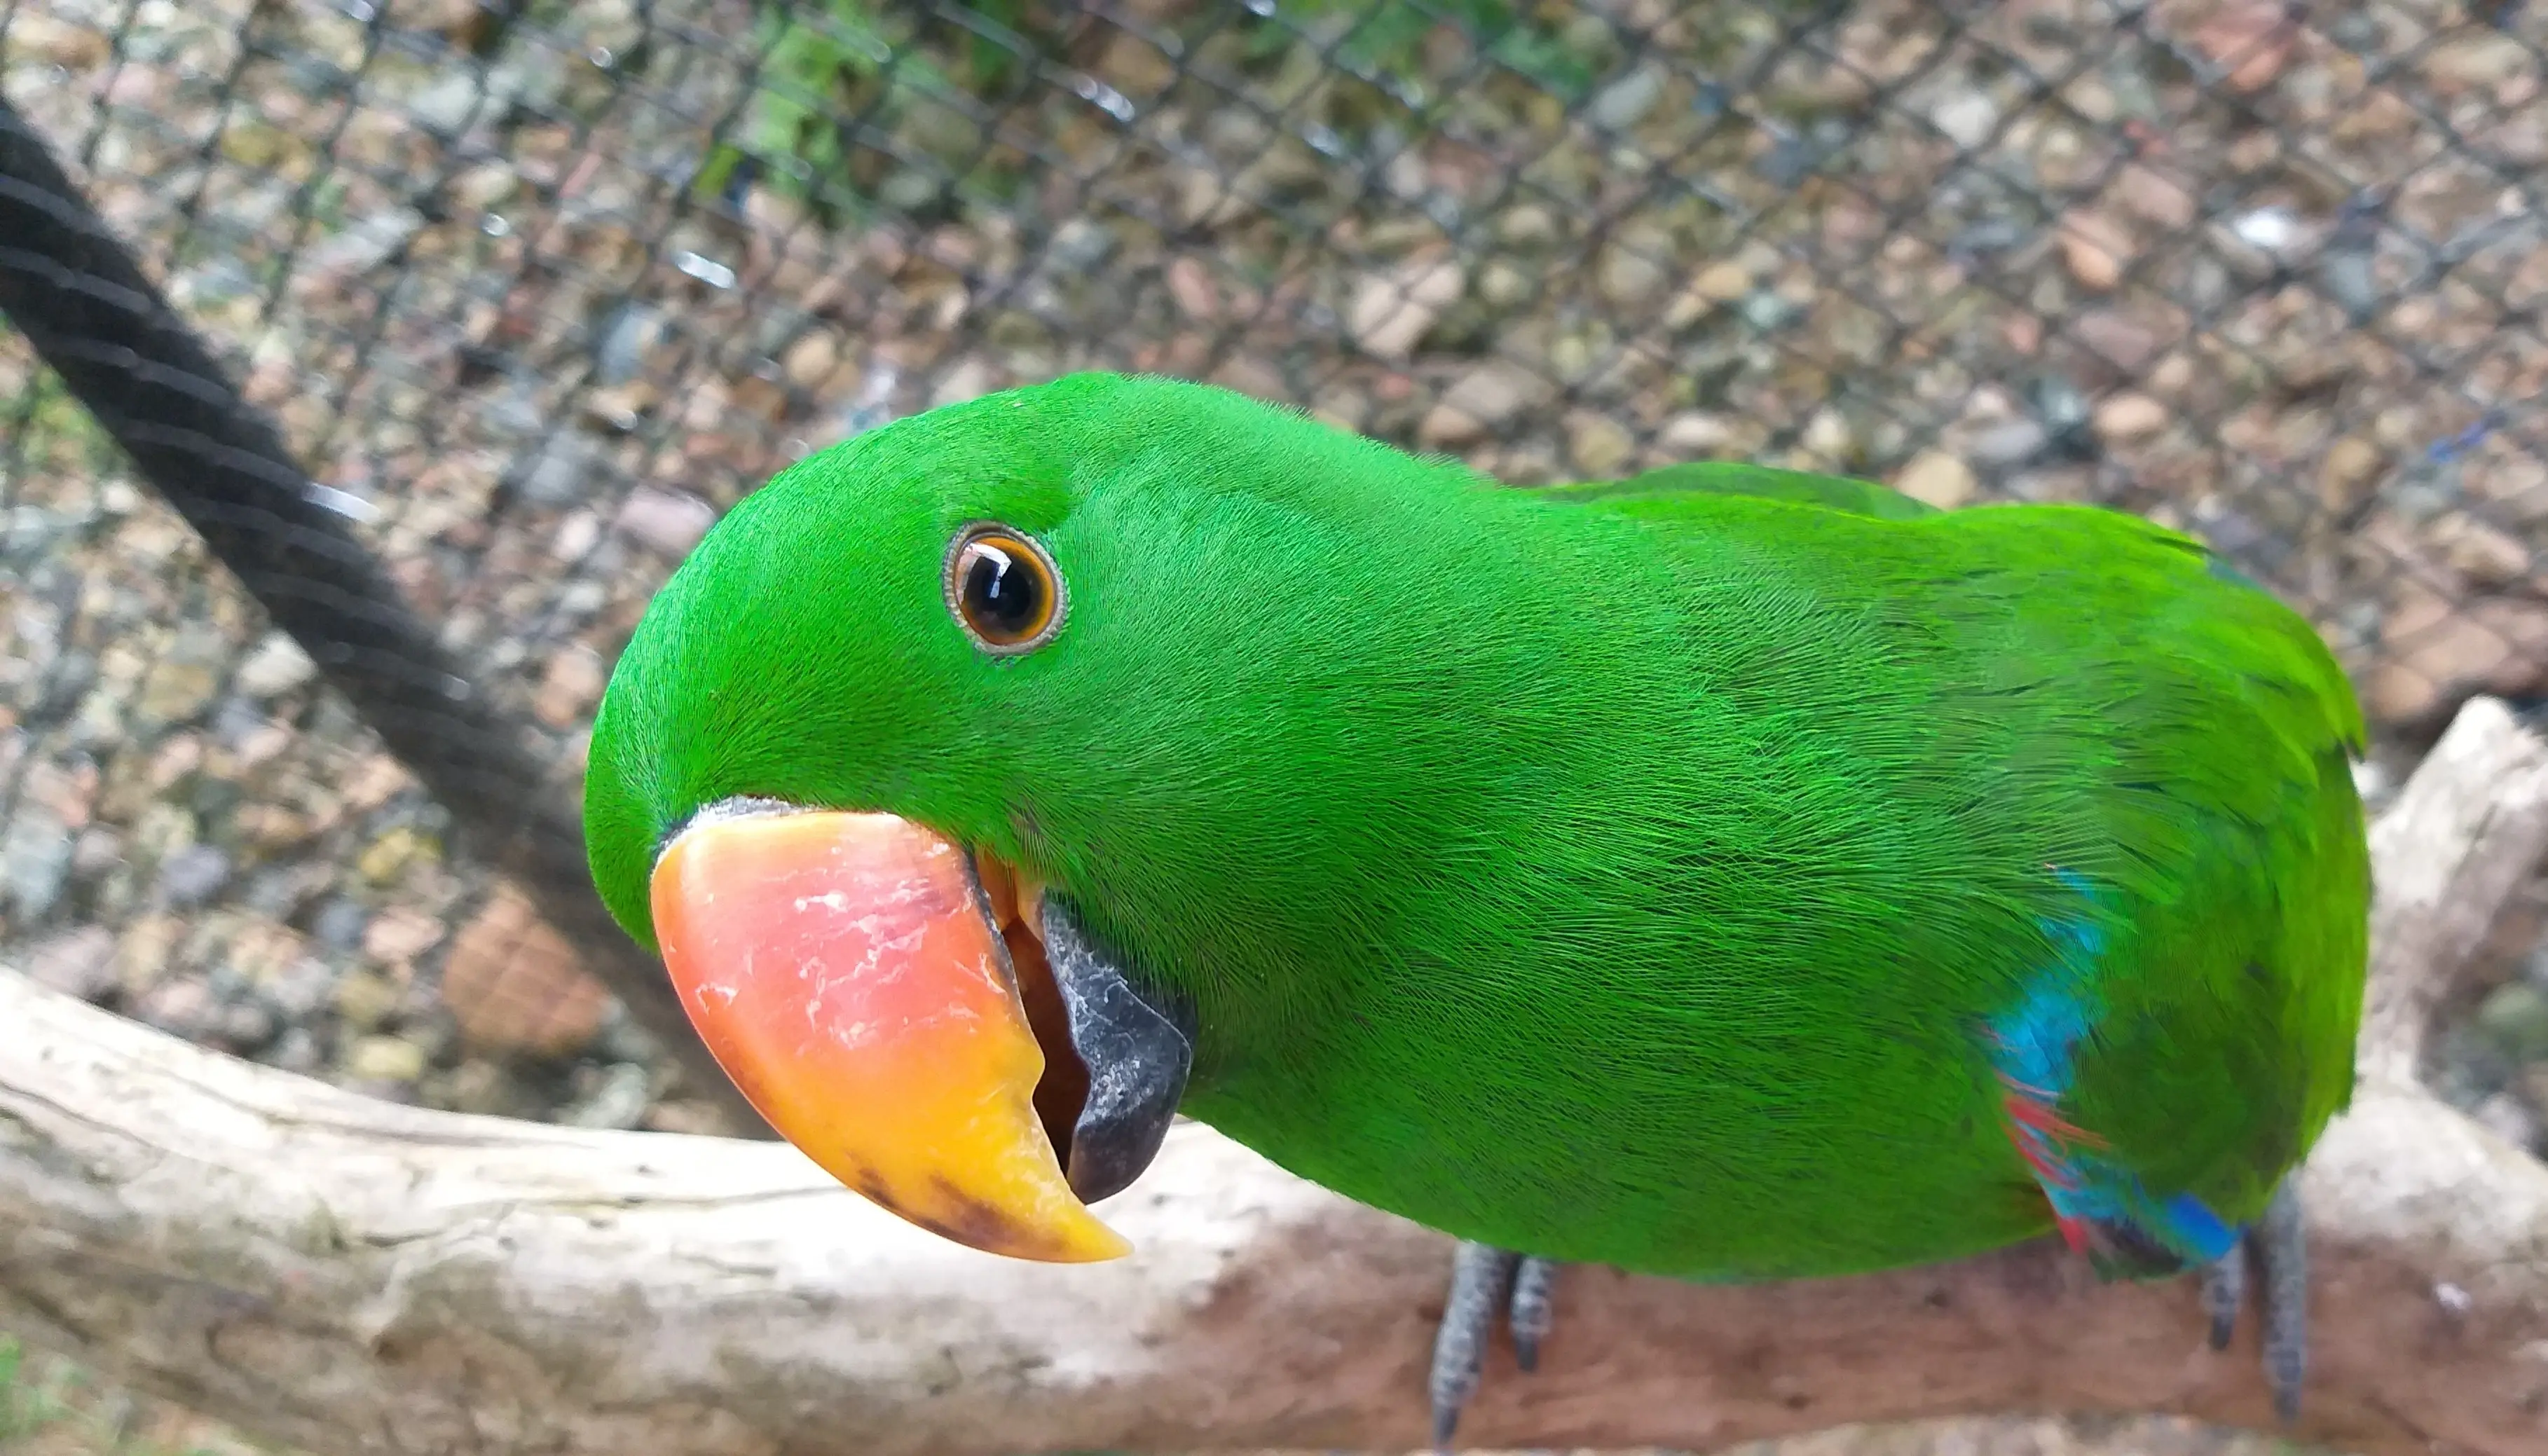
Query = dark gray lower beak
x=1137 y=1049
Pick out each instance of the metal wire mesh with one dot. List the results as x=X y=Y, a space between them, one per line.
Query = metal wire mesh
x=535 y=290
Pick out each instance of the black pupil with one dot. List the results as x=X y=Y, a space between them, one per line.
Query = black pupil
x=1003 y=596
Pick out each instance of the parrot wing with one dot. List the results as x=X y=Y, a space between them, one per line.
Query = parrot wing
x=2254 y=906
x=1677 y=483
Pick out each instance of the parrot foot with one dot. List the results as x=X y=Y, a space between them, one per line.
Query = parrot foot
x=2280 y=1246
x=1486 y=1282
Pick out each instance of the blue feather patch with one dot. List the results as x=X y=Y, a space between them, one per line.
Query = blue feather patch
x=2223 y=569
x=2100 y=1206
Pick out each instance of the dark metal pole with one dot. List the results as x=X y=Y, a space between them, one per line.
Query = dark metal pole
x=74 y=290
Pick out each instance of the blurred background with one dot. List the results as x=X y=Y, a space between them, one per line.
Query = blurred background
x=532 y=291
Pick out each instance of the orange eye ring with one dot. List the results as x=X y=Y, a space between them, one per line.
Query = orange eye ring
x=1003 y=588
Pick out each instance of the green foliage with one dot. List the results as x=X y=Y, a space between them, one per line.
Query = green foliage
x=1388 y=39
x=55 y=434
x=27 y=1405
x=990 y=65
x=811 y=56
x=900 y=66
x=50 y=1406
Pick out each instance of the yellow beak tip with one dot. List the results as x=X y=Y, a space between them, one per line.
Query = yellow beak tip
x=1037 y=1222
x=1102 y=1245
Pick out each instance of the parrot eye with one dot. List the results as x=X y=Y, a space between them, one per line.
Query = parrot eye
x=1004 y=590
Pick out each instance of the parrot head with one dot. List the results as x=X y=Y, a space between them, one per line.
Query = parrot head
x=924 y=717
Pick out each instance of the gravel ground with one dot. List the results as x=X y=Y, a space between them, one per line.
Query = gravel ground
x=2277 y=283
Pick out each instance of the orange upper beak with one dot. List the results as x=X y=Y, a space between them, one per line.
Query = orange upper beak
x=850 y=973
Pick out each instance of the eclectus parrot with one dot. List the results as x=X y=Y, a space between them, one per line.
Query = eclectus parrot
x=1728 y=874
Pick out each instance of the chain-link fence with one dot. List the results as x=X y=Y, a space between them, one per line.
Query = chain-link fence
x=519 y=295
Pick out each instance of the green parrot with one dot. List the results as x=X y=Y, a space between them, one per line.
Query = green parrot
x=1727 y=873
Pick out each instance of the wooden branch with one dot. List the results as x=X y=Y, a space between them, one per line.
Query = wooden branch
x=2463 y=834
x=359 y=1277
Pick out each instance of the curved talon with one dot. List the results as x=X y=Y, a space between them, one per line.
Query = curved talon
x=1535 y=1308
x=2281 y=1246
x=1486 y=1281
x=1481 y=1276
x=2225 y=1285
x=2279 y=1242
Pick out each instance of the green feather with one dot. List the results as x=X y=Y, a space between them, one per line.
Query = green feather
x=1617 y=872
x=1653 y=490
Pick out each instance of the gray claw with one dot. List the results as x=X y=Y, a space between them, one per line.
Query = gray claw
x=1485 y=1281
x=2279 y=1245
x=2225 y=1287
x=1535 y=1308
x=1481 y=1277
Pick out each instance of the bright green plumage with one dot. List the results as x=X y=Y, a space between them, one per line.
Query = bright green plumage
x=1629 y=873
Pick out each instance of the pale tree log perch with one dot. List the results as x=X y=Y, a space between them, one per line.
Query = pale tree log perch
x=359 y=1277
